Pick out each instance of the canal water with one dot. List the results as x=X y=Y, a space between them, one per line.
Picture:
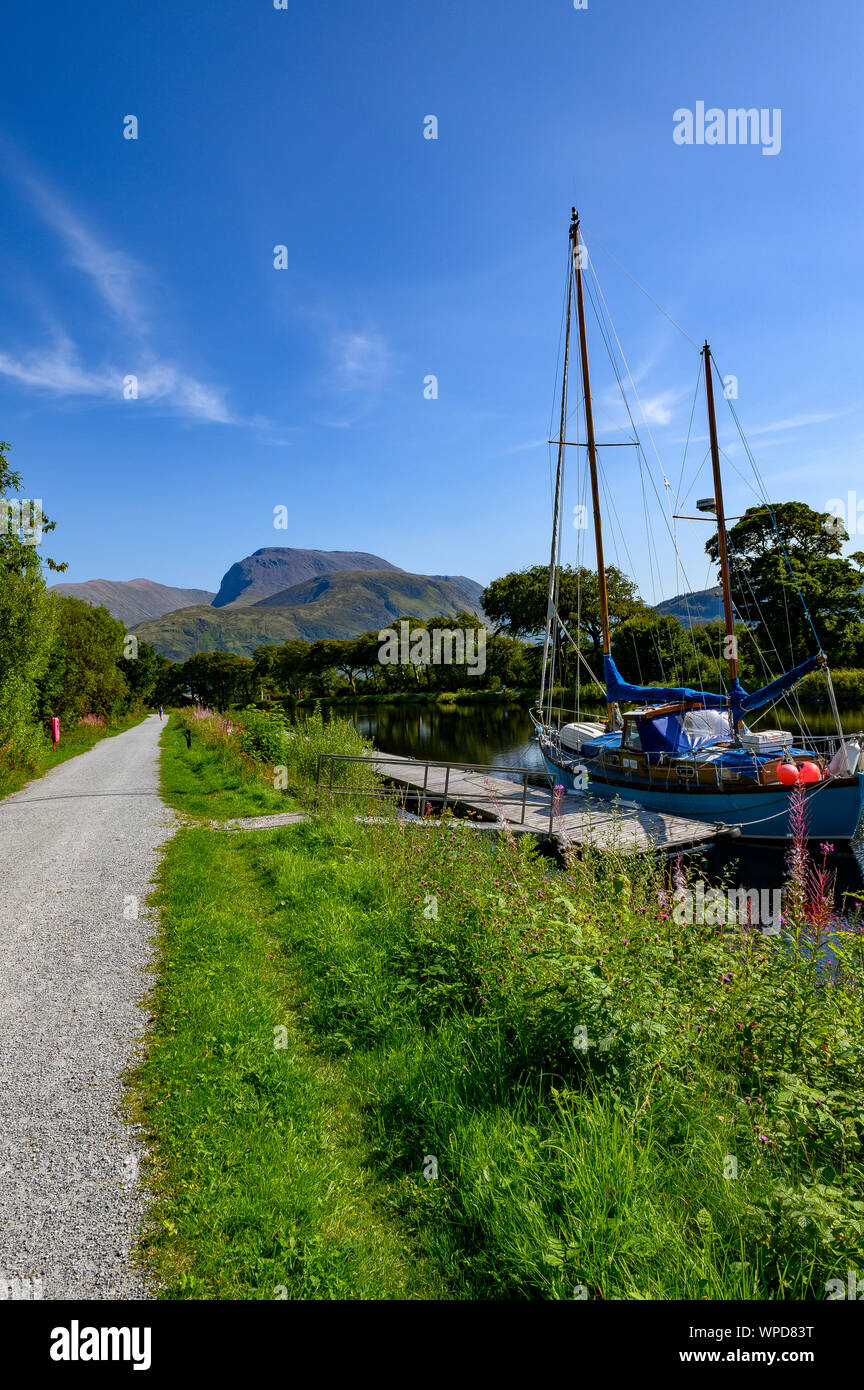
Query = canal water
x=504 y=735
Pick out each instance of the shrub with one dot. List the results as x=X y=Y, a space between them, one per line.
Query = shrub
x=262 y=737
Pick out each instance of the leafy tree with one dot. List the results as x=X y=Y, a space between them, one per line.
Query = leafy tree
x=766 y=593
x=516 y=604
x=291 y=667
x=349 y=658
x=143 y=672
x=170 y=682
x=26 y=621
x=82 y=674
x=220 y=678
x=264 y=660
x=653 y=648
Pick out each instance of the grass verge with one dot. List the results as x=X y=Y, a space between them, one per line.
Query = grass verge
x=263 y=1181
x=72 y=742
x=494 y=1080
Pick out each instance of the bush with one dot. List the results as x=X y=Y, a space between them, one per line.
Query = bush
x=262 y=736
x=314 y=736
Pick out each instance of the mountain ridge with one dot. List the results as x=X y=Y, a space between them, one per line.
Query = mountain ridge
x=342 y=604
x=275 y=568
x=134 y=600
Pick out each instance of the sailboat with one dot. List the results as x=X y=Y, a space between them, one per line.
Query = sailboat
x=676 y=749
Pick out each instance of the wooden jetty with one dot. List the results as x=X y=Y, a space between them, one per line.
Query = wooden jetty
x=527 y=809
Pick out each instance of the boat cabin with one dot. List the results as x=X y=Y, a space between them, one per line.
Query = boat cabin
x=674 y=729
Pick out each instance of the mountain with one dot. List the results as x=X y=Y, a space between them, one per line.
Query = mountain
x=276 y=568
x=343 y=597
x=702 y=606
x=469 y=587
x=134 y=600
x=340 y=604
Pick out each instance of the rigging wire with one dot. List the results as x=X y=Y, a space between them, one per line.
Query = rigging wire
x=644 y=291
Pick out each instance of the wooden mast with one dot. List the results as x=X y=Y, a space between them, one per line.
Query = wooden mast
x=731 y=640
x=551 y=626
x=611 y=712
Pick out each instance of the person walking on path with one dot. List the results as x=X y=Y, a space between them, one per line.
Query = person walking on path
x=160 y=714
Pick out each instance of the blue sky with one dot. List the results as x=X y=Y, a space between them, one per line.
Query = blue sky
x=407 y=257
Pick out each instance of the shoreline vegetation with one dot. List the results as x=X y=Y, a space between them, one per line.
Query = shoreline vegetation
x=848 y=687
x=391 y=1061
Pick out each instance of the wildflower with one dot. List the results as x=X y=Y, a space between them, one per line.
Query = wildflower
x=763 y=1138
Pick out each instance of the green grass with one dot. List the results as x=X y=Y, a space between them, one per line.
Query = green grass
x=264 y=1184
x=432 y=1131
x=72 y=742
x=213 y=780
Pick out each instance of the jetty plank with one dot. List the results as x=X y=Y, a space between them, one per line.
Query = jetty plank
x=583 y=820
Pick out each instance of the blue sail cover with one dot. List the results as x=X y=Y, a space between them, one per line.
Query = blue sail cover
x=737 y=701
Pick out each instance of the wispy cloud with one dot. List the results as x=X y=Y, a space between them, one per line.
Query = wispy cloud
x=358 y=364
x=361 y=361
x=520 y=448
x=775 y=427
x=120 y=282
x=57 y=368
x=116 y=275
x=797 y=422
x=658 y=410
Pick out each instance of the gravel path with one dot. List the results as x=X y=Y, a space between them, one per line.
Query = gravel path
x=78 y=851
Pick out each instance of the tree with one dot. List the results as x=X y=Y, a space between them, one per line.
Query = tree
x=26 y=620
x=517 y=603
x=264 y=661
x=291 y=667
x=767 y=594
x=82 y=674
x=220 y=678
x=653 y=648
x=144 y=671
x=348 y=657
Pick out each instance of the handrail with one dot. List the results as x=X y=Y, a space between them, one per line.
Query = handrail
x=381 y=761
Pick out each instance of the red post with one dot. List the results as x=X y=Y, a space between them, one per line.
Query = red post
x=55 y=730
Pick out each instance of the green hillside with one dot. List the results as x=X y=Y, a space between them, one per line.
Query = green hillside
x=701 y=606
x=342 y=604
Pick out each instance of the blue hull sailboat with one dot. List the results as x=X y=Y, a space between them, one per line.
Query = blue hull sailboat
x=676 y=749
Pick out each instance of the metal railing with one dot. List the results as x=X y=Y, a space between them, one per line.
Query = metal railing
x=381 y=762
